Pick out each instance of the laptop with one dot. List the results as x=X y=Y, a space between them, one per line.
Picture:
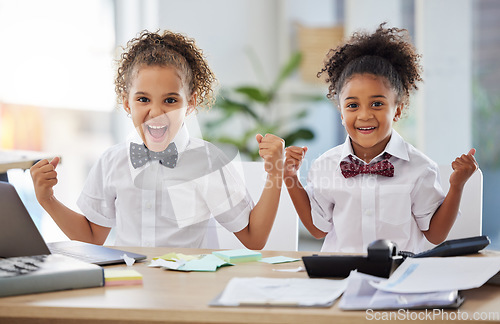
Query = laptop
x=19 y=236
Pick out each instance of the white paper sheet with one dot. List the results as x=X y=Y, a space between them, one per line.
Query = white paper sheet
x=360 y=294
x=281 y=292
x=128 y=260
x=421 y=275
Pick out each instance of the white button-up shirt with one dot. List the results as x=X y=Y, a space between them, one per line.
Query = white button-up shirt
x=356 y=211
x=154 y=205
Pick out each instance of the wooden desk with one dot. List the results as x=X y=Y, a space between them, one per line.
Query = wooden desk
x=183 y=297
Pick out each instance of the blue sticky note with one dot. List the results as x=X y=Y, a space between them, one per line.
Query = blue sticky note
x=239 y=255
x=206 y=263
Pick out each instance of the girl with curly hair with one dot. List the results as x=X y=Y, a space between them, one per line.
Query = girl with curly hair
x=162 y=187
x=375 y=185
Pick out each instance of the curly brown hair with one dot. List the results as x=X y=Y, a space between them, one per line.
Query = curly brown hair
x=167 y=49
x=387 y=52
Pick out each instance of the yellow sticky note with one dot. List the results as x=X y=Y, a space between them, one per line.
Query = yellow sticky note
x=118 y=277
x=172 y=256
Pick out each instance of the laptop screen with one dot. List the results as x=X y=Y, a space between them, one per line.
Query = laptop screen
x=18 y=233
x=19 y=236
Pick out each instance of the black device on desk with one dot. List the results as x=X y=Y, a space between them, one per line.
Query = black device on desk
x=383 y=258
x=464 y=246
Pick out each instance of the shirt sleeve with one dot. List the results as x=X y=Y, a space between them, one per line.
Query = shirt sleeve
x=321 y=206
x=97 y=200
x=427 y=196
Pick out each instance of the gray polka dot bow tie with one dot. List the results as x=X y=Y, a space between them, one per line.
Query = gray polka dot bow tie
x=140 y=155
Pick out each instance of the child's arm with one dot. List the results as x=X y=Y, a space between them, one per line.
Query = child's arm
x=444 y=217
x=262 y=216
x=300 y=199
x=73 y=224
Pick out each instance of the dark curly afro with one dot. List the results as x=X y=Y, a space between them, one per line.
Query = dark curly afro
x=387 y=52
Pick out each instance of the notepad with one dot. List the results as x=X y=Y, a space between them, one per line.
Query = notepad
x=240 y=255
x=120 y=277
x=206 y=263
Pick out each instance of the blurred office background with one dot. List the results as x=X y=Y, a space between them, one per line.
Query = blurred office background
x=57 y=69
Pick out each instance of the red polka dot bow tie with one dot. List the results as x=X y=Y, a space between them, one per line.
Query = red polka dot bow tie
x=355 y=167
x=140 y=155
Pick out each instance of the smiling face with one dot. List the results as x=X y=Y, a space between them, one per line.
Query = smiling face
x=368 y=108
x=158 y=102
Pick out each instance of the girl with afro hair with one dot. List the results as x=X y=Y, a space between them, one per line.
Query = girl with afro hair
x=375 y=185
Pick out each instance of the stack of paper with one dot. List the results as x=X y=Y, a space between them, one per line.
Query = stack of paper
x=361 y=294
x=423 y=275
x=300 y=292
x=121 y=277
x=417 y=283
x=240 y=255
x=420 y=283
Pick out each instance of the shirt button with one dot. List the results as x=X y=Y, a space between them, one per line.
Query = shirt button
x=149 y=205
x=369 y=212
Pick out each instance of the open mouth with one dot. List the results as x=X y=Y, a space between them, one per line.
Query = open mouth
x=366 y=130
x=156 y=132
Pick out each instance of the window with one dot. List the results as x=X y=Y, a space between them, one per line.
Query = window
x=57 y=53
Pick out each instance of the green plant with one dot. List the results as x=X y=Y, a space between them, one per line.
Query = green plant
x=247 y=110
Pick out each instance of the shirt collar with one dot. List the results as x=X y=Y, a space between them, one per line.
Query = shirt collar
x=395 y=147
x=181 y=140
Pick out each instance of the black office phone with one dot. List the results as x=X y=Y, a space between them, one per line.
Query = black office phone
x=383 y=258
x=464 y=246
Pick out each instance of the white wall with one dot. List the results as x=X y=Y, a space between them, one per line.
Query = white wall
x=224 y=29
x=445 y=98
x=367 y=15
x=443 y=36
